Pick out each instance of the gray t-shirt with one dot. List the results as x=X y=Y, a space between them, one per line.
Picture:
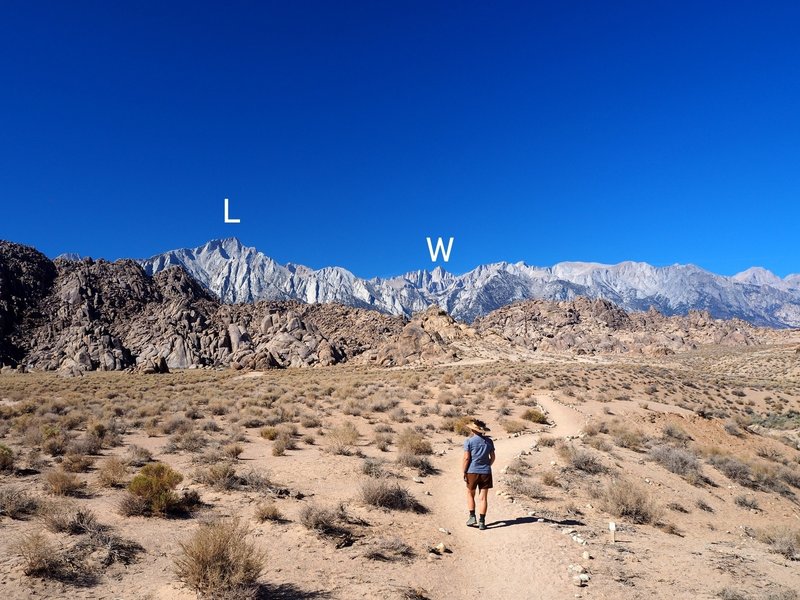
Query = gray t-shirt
x=479 y=448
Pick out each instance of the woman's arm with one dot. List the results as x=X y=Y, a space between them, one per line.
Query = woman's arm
x=491 y=457
x=465 y=463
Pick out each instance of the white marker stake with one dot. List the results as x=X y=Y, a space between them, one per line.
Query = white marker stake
x=612 y=527
x=227 y=218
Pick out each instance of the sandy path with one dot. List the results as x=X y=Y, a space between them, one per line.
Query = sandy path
x=516 y=557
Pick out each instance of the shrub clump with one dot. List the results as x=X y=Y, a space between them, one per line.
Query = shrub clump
x=387 y=550
x=268 y=511
x=525 y=487
x=62 y=483
x=221 y=476
x=676 y=433
x=40 y=557
x=735 y=470
x=513 y=426
x=16 y=503
x=623 y=498
x=342 y=439
x=219 y=562
x=151 y=492
x=535 y=416
x=325 y=520
x=457 y=425
x=581 y=460
x=112 y=472
x=392 y=496
x=61 y=518
x=420 y=463
x=413 y=442
x=630 y=439
x=678 y=461
x=6 y=458
x=747 y=502
x=373 y=467
x=782 y=541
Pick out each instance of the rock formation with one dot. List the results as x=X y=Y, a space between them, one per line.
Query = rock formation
x=585 y=326
x=73 y=316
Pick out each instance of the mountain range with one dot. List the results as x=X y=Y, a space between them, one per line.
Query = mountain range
x=73 y=316
x=236 y=273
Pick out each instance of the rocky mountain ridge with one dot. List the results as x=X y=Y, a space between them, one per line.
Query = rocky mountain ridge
x=76 y=316
x=237 y=273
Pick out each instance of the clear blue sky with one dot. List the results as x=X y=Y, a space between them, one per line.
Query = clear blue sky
x=346 y=132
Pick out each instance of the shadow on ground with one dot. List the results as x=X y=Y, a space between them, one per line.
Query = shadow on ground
x=527 y=520
x=287 y=591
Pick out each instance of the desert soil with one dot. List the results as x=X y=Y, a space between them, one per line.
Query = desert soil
x=613 y=410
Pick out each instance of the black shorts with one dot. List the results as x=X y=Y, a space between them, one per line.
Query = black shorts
x=483 y=481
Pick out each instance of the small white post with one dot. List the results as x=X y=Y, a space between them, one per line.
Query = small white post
x=612 y=527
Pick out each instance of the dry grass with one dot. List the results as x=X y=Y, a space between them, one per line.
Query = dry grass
x=221 y=476
x=679 y=461
x=387 y=550
x=420 y=463
x=6 y=459
x=734 y=469
x=219 y=562
x=457 y=425
x=623 y=498
x=342 y=439
x=535 y=416
x=782 y=541
x=48 y=420
x=325 y=520
x=389 y=495
x=513 y=426
x=112 y=472
x=67 y=518
x=522 y=486
x=16 y=503
x=413 y=442
x=268 y=511
x=138 y=456
x=40 y=558
x=550 y=478
x=581 y=459
x=62 y=483
x=746 y=502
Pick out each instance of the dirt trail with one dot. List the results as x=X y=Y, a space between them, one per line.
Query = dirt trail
x=516 y=557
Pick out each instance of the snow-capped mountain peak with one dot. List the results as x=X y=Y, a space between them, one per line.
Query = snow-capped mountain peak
x=239 y=273
x=759 y=276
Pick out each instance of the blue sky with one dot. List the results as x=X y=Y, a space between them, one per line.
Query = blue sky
x=344 y=133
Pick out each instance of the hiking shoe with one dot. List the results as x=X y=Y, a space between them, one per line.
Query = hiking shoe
x=482 y=526
x=471 y=521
